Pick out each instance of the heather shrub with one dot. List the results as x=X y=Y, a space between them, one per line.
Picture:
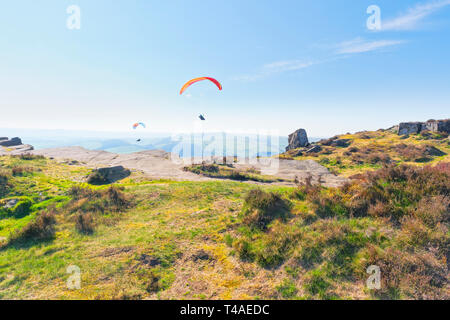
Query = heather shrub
x=90 y=207
x=273 y=250
x=415 y=235
x=404 y=274
x=203 y=168
x=378 y=157
x=328 y=204
x=112 y=199
x=21 y=170
x=330 y=240
x=392 y=192
x=84 y=223
x=306 y=188
x=372 y=154
x=244 y=249
x=261 y=208
x=41 y=228
x=227 y=171
x=4 y=182
x=269 y=249
x=432 y=210
x=77 y=193
x=422 y=153
x=28 y=156
x=117 y=198
x=239 y=176
x=443 y=167
x=97 y=178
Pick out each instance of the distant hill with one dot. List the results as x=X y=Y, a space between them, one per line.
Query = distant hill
x=123 y=143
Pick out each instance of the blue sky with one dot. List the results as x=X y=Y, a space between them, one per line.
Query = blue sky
x=283 y=65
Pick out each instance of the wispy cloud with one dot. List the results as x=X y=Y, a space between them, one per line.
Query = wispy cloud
x=359 y=45
x=410 y=19
x=276 y=67
x=407 y=21
x=339 y=51
x=286 y=65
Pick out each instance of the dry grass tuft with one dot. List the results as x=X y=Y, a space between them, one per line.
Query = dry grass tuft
x=41 y=228
x=261 y=208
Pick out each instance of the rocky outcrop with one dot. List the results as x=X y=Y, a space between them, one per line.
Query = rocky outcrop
x=438 y=125
x=5 y=142
x=13 y=146
x=335 y=142
x=298 y=139
x=314 y=149
x=406 y=128
x=310 y=149
x=108 y=175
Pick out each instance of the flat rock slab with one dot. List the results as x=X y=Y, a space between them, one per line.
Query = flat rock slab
x=16 y=150
x=157 y=164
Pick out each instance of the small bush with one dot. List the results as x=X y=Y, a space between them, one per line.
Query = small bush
x=408 y=275
x=97 y=178
x=227 y=171
x=29 y=156
x=239 y=176
x=276 y=246
x=203 y=168
x=112 y=199
x=305 y=187
x=154 y=285
x=328 y=204
x=333 y=241
x=21 y=170
x=415 y=153
x=443 y=167
x=432 y=210
x=378 y=157
x=4 y=182
x=84 y=223
x=77 y=193
x=261 y=208
x=392 y=192
x=244 y=249
x=117 y=198
x=152 y=280
x=371 y=154
x=41 y=228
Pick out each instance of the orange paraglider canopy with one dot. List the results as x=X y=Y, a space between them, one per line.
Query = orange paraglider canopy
x=190 y=82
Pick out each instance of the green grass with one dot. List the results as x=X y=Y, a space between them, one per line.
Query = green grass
x=159 y=226
x=287 y=289
x=148 y=250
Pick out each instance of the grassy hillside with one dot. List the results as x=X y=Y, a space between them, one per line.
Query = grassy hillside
x=351 y=154
x=222 y=239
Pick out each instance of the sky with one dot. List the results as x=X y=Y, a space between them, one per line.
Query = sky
x=283 y=65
